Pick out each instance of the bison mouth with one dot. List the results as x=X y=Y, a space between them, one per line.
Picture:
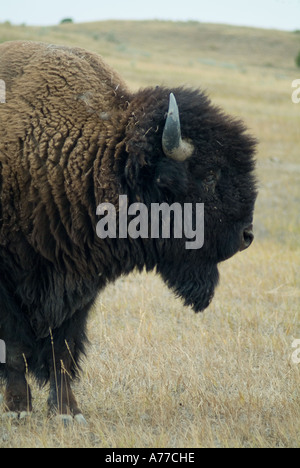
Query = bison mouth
x=196 y=288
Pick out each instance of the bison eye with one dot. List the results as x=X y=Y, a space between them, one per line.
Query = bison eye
x=211 y=179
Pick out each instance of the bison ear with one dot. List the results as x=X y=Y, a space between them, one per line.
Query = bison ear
x=170 y=178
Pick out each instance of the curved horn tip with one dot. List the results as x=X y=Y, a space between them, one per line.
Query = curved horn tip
x=173 y=107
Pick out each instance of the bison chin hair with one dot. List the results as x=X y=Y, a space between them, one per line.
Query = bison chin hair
x=195 y=287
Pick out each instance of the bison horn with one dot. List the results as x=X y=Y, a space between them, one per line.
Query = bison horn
x=173 y=145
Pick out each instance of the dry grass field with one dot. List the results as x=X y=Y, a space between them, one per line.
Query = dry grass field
x=156 y=374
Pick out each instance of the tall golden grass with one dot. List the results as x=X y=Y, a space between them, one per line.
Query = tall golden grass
x=156 y=374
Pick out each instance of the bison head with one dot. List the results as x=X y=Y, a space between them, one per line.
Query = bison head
x=180 y=148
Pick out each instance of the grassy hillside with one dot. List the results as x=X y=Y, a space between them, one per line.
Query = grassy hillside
x=163 y=40
x=156 y=374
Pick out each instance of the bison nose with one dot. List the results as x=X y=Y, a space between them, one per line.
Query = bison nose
x=247 y=238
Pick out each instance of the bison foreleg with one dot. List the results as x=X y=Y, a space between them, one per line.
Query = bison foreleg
x=61 y=399
x=67 y=343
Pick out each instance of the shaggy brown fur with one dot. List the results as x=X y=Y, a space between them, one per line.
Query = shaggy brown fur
x=71 y=136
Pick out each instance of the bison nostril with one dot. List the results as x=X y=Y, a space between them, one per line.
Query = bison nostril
x=247 y=238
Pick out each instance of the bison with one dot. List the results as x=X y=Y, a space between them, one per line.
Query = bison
x=72 y=136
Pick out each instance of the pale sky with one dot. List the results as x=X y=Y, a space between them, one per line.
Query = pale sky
x=278 y=14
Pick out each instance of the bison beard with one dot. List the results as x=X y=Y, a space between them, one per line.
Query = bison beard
x=71 y=137
x=197 y=289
